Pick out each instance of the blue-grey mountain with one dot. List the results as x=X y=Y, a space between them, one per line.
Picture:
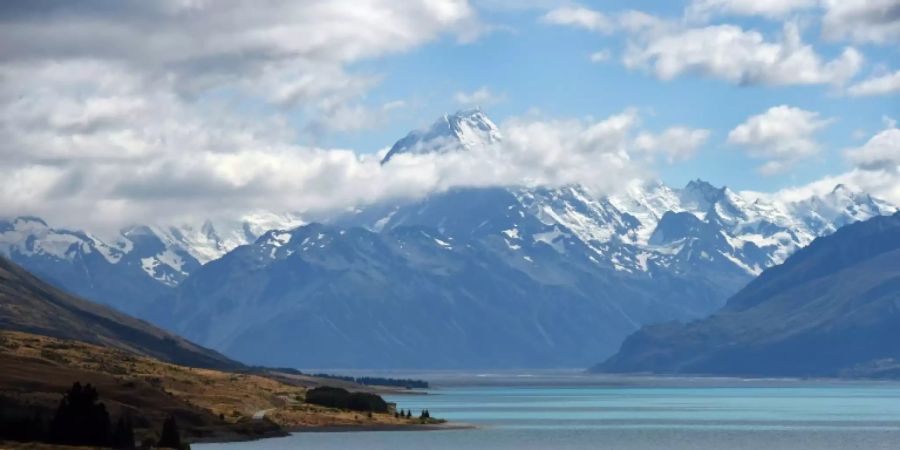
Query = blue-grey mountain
x=832 y=309
x=493 y=277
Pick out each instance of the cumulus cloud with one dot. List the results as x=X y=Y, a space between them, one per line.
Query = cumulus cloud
x=286 y=55
x=739 y=56
x=675 y=143
x=580 y=17
x=879 y=153
x=783 y=135
x=115 y=111
x=671 y=48
x=600 y=56
x=161 y=182
x=775 y=9
x=876 y=169
x=888 y=83
x=479 y=97
x=864 y=21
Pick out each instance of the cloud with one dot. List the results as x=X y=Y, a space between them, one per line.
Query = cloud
x=128 y=111
x=479 y=97
x=783 y=135
x=876 y=169
x=236 y=167
x=773 y=9
x=580 y=17
x=670 y=48
x=863 y=21
x=879 y=153
x=600 y=56
x=739 y=56
x=880 y=85
x=676 y=143
x=288 y=55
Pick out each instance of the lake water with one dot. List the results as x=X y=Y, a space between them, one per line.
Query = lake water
x=632 y=415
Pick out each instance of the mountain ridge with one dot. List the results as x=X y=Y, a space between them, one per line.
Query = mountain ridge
x=832 y=309
x=30 y=305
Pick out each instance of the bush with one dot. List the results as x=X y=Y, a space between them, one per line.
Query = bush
x=342 y=399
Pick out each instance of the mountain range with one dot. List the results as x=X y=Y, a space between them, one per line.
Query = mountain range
x=832 y=309
x=470 y=277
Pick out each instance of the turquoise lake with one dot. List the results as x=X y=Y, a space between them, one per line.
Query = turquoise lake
x=763 y=415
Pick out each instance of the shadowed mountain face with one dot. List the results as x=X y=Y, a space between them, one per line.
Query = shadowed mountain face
x=31 y=305
x=832 y=309
x=482 y=285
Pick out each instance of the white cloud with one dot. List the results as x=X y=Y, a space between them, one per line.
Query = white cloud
x=580 y=17
x=142 y=155
x=739 y=56
x=676 y=143
x=600 y=56
x=669 y=48
x=775 y=9
x=479 y=97
x=881 y=152
x=288 y=54
x=880 y=85
x=153 y=110
x=864 y=21
x=783 y=135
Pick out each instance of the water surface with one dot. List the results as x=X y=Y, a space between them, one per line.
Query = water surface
x=768 y=415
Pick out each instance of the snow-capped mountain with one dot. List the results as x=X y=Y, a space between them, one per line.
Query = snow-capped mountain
x=548 y=276
x=452 y=132
x=133 y=268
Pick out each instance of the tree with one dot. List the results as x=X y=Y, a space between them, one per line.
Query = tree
x=80 y=419
x=170 y=436
x=123 y=435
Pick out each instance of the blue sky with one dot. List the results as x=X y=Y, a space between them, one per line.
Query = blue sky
x=532 y=65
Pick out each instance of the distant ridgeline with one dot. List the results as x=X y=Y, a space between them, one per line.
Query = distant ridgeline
x=378 y=381
x=406 y=383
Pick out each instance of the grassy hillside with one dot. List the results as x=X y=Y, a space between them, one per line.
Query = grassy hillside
x=31 y=305
x=209 y=404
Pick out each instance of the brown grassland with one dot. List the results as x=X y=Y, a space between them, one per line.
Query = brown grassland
x=208 y=404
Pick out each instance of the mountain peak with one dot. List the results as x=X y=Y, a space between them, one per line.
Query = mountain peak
x=700 y=195
x=463 y=130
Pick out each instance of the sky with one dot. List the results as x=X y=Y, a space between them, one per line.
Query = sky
x=114 y=112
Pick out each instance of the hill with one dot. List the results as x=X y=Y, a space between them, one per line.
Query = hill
x=832 y=309
x=30 y=305
x=208 y=404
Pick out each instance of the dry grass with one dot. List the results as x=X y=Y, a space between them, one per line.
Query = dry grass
x=36 y=369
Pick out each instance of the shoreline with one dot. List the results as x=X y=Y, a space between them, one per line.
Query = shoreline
x=446 y=426
x=285 y=432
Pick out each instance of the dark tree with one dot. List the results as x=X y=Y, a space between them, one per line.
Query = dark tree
x=123 y=435
x=22 y=428
x=80 y=418
x=170 y=436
